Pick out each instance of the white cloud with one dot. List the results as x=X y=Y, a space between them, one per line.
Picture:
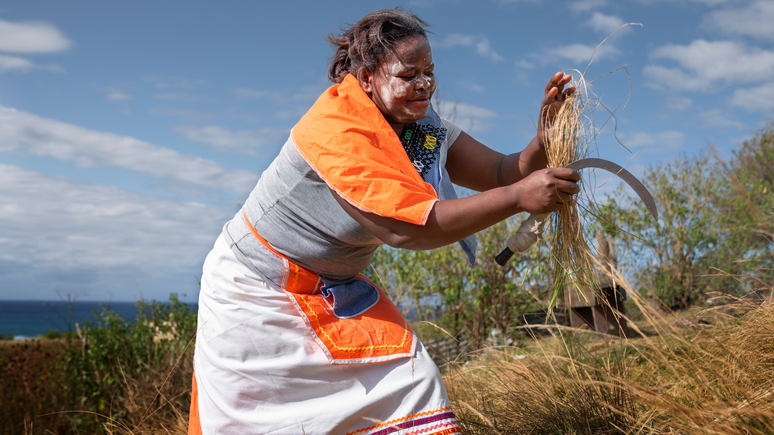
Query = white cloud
x=717 y=118
x=101 y=238
x=758 y=98
x=679 y=103
x=475 y=87
x=752 y=20
x=708 y=3
x=14 y=63
x=653 y=142
x=114 y=94
x=304 y=94
x=246 y=94
x=31 y=37
x=587 y=5
x=20 y=131
x=224 y=140
x=177 y=96
x=606 y=24
x=186 y=114
x=704 y=65
x=581 y=53
x=469 y=118
x=9 y=63
x=480 y=43
x=174 y=83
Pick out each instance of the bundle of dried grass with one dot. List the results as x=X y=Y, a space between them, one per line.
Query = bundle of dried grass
x=569 y=138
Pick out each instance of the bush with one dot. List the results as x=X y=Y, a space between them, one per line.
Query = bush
x=52 y=334
x=466 y=302
x=125 y=370
x=123 y=377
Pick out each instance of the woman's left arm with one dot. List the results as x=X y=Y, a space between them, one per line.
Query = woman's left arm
x=473 y=165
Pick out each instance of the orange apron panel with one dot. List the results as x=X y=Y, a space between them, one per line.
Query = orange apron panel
x=347 y=141
x=194 y=423
x=379 y=334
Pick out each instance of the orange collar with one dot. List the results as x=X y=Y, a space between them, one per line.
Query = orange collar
x=347 y=141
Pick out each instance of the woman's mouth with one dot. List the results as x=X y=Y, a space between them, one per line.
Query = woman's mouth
x=419 y=102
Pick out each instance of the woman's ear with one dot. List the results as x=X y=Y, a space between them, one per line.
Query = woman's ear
x=365 y=78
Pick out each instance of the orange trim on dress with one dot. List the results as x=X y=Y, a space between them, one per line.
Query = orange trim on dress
x=194 y=421
x=410 y=417
x=304 y=280
x=379 y=334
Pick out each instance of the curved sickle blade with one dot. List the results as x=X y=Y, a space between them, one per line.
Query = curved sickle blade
x=623 y=174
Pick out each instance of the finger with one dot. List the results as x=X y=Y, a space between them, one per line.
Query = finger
x=551 y=94
x=567 y=188
x=553 y=81
x=549 y=98
x=566 y=174
x=564 y=80
x=561 y=198
x=569 y=91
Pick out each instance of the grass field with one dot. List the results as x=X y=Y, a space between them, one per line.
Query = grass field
x=700 y=372
x=705 y=372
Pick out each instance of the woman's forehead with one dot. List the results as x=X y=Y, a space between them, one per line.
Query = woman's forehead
x=413 y=52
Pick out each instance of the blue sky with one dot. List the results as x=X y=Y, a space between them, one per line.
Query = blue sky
x=131 y=131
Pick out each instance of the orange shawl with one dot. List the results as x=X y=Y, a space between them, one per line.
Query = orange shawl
x=347 y=141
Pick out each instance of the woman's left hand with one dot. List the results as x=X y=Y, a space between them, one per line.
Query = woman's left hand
x=555 y=94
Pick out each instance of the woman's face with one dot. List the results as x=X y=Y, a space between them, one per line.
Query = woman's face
x=403 y=84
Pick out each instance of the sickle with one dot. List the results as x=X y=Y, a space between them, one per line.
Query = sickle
x=532 y=228
x=623 y=174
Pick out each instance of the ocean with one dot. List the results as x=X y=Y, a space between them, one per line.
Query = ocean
x=28 y=319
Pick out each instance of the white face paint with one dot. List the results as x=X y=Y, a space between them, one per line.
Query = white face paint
x=402 y=86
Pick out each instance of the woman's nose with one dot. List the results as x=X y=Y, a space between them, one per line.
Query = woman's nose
x=424 y=82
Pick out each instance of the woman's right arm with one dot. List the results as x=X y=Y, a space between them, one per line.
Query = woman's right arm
x=449 y=221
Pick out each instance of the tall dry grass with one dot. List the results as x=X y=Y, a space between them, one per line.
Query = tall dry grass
x=673 y=376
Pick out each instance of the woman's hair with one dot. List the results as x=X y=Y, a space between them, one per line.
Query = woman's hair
x=371 y=40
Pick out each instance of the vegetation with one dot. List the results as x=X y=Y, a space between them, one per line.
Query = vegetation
x=687 y=367
x=55 y=333
x=117 y=376
x=714 y=232
x=711 y=380
x=463 y=301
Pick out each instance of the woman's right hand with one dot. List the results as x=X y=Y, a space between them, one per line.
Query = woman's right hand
x=545 y=190
x=451 y=220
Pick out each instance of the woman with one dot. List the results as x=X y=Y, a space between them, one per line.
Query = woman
x=292 y=339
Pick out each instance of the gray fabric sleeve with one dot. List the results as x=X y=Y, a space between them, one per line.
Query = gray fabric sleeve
x=452 y=132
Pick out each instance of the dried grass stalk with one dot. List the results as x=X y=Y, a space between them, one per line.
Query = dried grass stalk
x=568 y=139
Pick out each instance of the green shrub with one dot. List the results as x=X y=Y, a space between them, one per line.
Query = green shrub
x=127 y=376
x=52 y=334
x=115 y=372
